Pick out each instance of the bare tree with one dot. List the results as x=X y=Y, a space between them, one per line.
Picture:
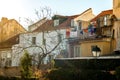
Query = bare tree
x=42 y=12
x=44 y=48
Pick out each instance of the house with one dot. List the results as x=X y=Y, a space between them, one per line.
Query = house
x=78 y=23
x=45 y=39
x=6 y=51
x=9 y=28
x=116 y=10
x=9 y=35
x=107 y=32
x=102 y=31
x=101 y=34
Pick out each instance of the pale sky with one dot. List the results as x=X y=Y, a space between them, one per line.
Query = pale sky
x=25 y=8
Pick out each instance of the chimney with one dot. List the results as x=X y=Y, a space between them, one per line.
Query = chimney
x=4 y=20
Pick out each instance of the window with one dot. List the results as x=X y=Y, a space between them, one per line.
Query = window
x=8 y=62
x=72 y=23
x=77 y=51
x=3 y=55
x=80 y=25
x=8 y=55
x=51 y=57
x=56 y=22
x=59 y=37
x=105 y=20
x=113 y=33
x=74 y=29
x=33 y=40
x=44 y=41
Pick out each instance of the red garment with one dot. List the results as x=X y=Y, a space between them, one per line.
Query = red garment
x=85 y=30
x=68 y=33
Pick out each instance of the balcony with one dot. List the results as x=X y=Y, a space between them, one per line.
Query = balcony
x=105 y=22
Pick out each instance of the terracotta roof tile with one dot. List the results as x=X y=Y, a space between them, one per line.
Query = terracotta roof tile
x=49 y=24
x=67 y=23
x=103 y=13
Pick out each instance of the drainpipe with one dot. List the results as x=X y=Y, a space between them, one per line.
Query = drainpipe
x=110 y=44
x=111 y=39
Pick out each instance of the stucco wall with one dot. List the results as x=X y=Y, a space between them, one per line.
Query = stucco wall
x=116 y=12
x=26 y=42
x=86 y=16
x=116 y=8
x=85 y=48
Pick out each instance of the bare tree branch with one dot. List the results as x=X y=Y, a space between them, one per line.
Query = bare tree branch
x=44 y=49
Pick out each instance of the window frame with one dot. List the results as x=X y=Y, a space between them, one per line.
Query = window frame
x=34 y=40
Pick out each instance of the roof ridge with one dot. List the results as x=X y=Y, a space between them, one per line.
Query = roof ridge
x=81 y=13
x=107 y=10
x=103 y=13
x=38 y=21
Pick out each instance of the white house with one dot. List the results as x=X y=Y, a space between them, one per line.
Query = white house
x=41 y=40
x=77 y=31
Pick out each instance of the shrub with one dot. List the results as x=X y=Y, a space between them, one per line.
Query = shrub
x=72 y=74
x=117 y=73
x=16 y=78
x=26 y=65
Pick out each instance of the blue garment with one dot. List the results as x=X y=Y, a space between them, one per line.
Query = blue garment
x=81 y=32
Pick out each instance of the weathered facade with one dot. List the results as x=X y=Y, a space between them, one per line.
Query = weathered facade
x=100 y=31
x=86 y=47
x=40 y=41
x=9 y=28
x=116 y=12
x=9 y=35
x=81 y=23
x=6 y=51
x=103 y=31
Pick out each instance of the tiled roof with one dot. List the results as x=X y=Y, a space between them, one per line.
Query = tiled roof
x=103 y=13
x=37 y=22
x=67 y=23
x=49 y=24
x=11 y=41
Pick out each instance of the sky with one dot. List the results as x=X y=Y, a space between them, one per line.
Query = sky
x=17 y=9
